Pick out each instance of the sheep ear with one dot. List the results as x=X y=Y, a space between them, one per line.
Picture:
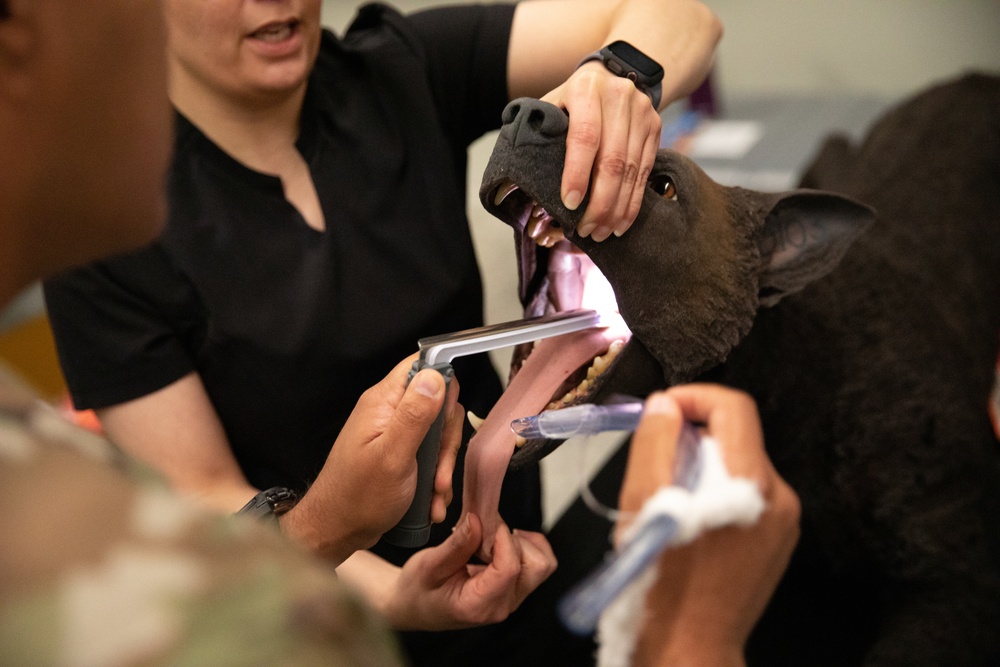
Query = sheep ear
x=805 y=235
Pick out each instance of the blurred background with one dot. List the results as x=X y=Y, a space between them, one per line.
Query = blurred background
x=787 y=74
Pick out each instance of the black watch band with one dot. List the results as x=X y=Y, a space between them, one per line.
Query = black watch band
x=622 y=59
x=270 y=504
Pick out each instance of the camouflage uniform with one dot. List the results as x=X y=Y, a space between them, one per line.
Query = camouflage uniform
x=100 y=564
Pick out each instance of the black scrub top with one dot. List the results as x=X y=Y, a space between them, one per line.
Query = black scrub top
x=286 y=325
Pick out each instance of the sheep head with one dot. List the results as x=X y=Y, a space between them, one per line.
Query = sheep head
x=688 y=276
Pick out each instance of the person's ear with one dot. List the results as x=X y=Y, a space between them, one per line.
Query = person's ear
x=18 y=39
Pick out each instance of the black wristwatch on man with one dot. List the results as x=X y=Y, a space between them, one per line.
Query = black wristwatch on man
x=270 y=504
x=622 y=59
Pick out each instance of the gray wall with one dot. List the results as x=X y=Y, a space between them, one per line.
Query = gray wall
x=851 y=47
x=888 y=47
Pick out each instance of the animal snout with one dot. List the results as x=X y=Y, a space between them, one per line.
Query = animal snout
x=530 y=121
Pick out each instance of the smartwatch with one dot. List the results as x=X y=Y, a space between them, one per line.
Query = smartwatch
x=270 y=504
x=622 y=59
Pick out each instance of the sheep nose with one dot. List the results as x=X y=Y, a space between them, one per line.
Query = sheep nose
x=527 y=121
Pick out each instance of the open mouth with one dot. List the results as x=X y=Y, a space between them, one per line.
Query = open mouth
x=556 y=276
x=277 y=31
x=552 y=373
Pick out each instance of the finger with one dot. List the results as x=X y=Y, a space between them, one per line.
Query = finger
x=650 y=144
x=415 y=413
x=539 y=541
x=638 y=122
x=497 y=581
x=652 y=452
x=613 y=167
x=583 y=138
x=388 y=392
x=538 y=561
x=732 y=419
x=442 y=562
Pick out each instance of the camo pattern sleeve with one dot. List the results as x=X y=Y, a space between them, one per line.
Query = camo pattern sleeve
x=101 y=564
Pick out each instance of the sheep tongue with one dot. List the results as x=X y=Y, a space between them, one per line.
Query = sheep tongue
x=551 y=362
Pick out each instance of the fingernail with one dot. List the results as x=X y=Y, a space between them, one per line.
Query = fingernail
x=600 y=234
x=585 y=229
x=659 y=403
x=572 y=199
x=426 y=383
x=621 y=230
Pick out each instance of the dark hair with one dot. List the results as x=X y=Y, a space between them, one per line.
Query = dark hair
x=4 y=12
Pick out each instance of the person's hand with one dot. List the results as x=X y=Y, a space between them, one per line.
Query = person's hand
x=709 y=594
x=438 y=589
x=614 y=133
x=369 y=478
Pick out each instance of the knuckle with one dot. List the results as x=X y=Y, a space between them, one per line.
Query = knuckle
x=620 y=84
x=643 y=175
x=786 y=504
x=656 y=124
x=412 y=412
x=368 y=395
x=585 y=134
x=631 y=173
x=614 y=164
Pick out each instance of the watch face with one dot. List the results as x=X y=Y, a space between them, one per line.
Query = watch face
x=642 y=63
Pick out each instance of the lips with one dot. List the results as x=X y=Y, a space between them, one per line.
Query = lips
x=275 y=31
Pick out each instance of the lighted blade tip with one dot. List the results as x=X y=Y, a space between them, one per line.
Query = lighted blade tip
x=610 y=319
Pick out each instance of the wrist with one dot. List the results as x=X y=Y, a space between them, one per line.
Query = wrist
x=270 y=504
x=378 y=582
x=624 y=60
x=319 y=531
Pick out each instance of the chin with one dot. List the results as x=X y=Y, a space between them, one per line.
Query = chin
x=285 y=76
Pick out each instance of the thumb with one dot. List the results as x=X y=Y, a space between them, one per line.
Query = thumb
x=443 y=561
x=417 y=409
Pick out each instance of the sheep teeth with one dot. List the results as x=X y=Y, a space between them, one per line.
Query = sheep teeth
x=474 y=420
x=504 y=191
x=535 y=227
x=599 y=365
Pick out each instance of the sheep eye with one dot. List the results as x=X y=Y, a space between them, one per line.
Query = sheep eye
x=664 y=186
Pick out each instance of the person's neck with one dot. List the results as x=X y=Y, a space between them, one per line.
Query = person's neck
x=253 y=132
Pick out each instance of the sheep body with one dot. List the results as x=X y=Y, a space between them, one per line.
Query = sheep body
x=869 y=347
x=873 y=386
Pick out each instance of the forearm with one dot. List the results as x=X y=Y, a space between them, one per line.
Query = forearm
x=176 y=431
x=375 y=579
x=315 y=524
x=681 y=35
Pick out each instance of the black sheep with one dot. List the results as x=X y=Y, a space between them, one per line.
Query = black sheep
x=872 y=375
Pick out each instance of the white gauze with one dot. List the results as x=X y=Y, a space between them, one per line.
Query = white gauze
x=718 y=500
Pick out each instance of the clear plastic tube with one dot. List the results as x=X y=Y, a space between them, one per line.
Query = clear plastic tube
x=581 y=607
x=587 y=419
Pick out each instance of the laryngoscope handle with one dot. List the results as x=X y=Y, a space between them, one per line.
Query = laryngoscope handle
x=414 y=529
